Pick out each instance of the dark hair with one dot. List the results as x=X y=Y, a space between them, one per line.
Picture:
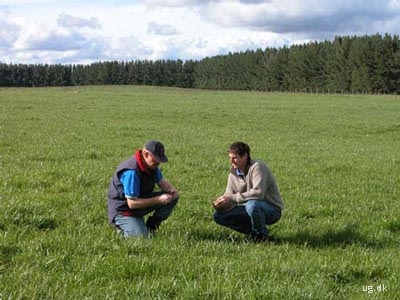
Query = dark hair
x=240 y=148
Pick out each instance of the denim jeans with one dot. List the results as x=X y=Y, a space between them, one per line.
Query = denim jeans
x=250 y=218
x=130 y=226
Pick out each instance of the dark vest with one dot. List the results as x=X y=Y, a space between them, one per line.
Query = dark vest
x=116 y=196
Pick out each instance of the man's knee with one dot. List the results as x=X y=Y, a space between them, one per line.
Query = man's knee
x=163 y=212
x=251 y=206
x=218 y=218
x=128 y=233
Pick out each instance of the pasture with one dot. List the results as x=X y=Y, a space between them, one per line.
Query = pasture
x=336 y=159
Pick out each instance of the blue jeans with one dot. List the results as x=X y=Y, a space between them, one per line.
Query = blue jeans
x=130 y=226
x=250 y=218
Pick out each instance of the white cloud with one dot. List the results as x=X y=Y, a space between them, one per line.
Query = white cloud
x=162 y=29
x=83 y=31
x=287 y=16
x=69 y=21
x=174 y=3
x=8 y=33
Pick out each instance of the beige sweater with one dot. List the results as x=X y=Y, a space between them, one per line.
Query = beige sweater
x=258 y=183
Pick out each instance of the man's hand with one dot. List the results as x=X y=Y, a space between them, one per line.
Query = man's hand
x=224 y=204
x=165 y=199
x=174 y=194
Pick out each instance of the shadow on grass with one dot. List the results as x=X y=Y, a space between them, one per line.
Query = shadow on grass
x=217 y=236
x=341 y=237
x=7 y=252
x=33 y=219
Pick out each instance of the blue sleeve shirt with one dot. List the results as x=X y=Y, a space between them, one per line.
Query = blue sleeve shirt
x=131 y=182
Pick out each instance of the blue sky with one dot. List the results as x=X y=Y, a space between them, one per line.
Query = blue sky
x=72 y=32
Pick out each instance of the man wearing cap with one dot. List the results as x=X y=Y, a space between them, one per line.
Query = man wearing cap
x=131 y=194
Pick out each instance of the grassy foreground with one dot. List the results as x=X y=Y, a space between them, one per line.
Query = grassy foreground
x=336 y=159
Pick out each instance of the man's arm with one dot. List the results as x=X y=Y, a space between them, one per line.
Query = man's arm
x=138 y=203
x=168 y=188
x=131 y=183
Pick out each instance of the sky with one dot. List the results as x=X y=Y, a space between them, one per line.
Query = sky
x=86 y=31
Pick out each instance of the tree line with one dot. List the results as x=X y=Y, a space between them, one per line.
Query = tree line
x=367 y=64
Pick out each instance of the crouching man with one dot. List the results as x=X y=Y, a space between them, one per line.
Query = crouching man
x=251 y=200
x=132 y=195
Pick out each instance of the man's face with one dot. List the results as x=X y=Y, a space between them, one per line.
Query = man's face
x=238 y=162
x=150 y=160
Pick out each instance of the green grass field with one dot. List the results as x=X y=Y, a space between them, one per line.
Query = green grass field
x=336 y=159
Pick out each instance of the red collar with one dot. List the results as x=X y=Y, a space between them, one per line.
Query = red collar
x=140 y=161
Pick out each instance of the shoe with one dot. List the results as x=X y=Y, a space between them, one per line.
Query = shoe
x=260 y=238
x=152 y=224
